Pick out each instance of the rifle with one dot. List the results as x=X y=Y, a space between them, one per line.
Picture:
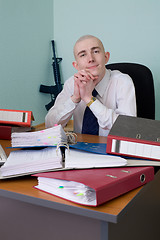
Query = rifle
x=57 y=88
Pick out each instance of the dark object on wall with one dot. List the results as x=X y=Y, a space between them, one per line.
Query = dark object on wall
x=57 y=88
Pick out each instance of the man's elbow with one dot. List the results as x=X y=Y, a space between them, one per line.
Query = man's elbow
x=48 y=121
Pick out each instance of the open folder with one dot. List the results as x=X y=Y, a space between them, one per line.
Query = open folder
x=93 y=186
x=26 y=162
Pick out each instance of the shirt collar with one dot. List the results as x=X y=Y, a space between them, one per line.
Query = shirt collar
x=101 y=86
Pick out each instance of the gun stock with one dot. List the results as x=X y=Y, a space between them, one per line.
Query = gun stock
x=57 y=88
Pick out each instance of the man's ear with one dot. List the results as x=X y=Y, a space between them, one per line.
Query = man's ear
x=75 y=65
x=107 y=56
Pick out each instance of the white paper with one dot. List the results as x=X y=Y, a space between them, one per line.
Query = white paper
x=70 y=190
x=136 y=162
x=21 y=162
x=47 y=137
x=80 y=159
x=3 y=156
x=29 y=161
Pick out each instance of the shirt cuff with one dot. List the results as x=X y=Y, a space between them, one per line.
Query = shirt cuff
x=97 y=107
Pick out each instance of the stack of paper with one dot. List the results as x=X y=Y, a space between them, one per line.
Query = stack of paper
x=48 y=137
x=73 y=191
x=24 y=162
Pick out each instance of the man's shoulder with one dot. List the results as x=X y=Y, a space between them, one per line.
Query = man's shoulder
x=116 y=75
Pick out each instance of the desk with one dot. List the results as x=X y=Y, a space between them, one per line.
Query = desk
x=27 y=213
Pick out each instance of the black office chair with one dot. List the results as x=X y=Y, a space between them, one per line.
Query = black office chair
x=144 y=86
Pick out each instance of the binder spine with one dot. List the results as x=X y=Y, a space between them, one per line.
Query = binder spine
x=137 y=148
x=131 y=181
x=109 y=144
x=26 y=118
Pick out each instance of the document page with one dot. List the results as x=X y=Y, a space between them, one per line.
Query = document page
x=80 y=159
x=28 y=161
x=3 y=156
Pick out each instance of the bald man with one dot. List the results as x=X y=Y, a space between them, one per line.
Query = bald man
x=115 y=93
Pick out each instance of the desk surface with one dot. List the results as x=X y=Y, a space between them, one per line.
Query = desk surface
x=22 y=189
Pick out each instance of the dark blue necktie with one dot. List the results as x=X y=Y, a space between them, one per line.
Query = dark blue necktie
x=90 y=123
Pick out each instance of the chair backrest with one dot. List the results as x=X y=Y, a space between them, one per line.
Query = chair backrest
x=144 y=86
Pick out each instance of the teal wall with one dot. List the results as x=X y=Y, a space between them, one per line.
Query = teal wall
x=26 y=29
x=129 y=30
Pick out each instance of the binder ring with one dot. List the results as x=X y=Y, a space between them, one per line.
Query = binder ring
x=138 y=136
x=142 y=178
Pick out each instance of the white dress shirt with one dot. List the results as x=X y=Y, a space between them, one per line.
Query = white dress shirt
x=116 y=95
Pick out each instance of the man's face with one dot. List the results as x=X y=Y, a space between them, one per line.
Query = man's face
x=90 y=56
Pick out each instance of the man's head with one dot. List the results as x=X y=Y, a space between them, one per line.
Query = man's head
x=90 y=56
